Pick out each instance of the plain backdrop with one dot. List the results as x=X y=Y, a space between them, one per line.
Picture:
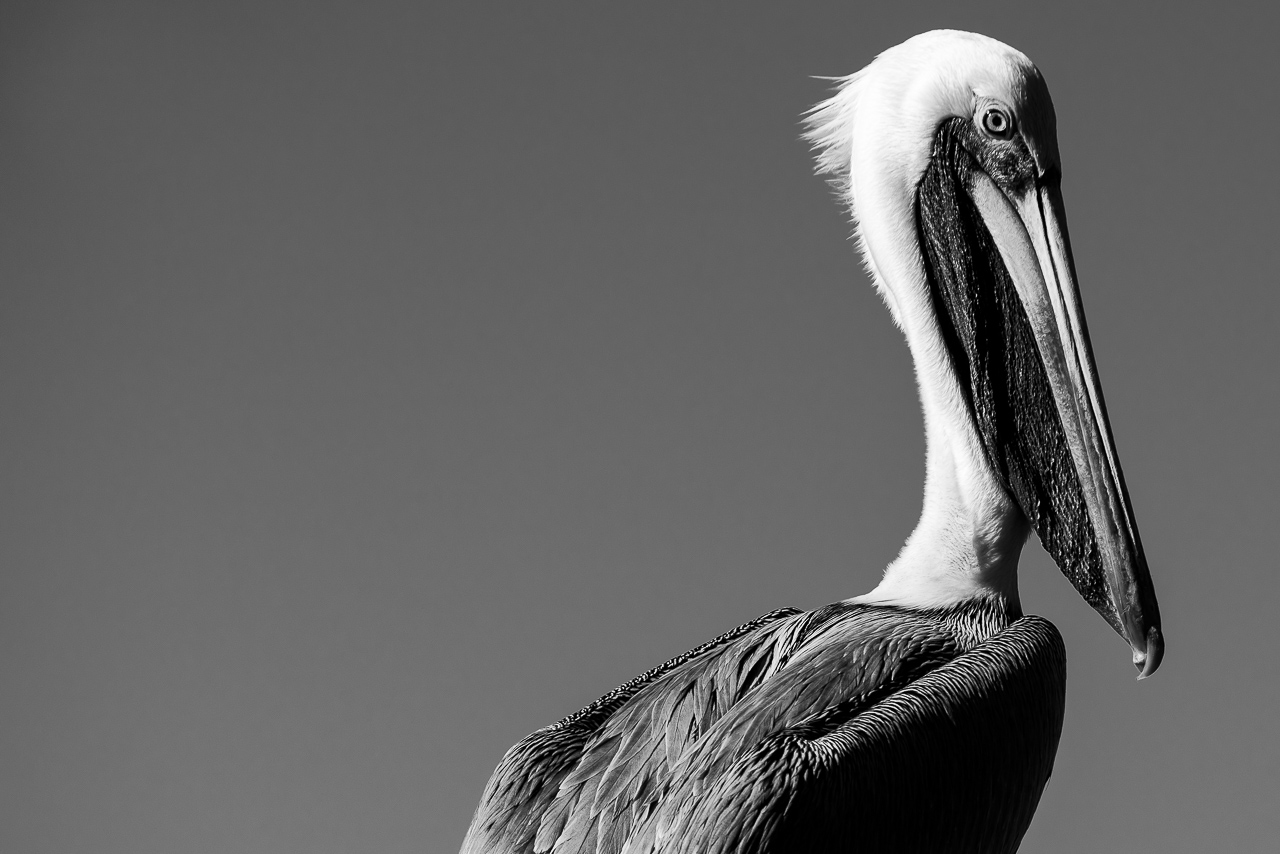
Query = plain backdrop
x=382 y=381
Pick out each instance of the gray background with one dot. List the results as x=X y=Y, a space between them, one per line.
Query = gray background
x=381 y=382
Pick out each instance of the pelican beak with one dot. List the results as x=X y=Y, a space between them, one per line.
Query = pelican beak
x=1030 y=233
x=1004 y=285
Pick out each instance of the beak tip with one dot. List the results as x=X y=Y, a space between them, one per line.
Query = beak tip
x=1149 y=657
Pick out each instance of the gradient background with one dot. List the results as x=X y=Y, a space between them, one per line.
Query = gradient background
x=383 y=381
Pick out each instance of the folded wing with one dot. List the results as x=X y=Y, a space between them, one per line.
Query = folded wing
x=788 y=733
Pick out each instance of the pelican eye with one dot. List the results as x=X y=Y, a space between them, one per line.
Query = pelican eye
x=997 y=123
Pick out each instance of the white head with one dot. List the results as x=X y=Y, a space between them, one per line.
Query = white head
x=875 y=137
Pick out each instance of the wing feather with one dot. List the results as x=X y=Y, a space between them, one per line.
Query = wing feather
x=523 y=808
x=790 y=722
x=954 y=761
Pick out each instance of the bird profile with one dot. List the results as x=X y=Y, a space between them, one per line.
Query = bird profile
x=925 y=714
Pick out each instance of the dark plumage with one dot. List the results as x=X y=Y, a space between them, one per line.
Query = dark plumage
x=760 y=740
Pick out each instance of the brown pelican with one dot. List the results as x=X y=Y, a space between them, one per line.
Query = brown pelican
x=924 y=715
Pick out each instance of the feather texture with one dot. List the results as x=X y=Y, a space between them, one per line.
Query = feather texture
x=797 y=731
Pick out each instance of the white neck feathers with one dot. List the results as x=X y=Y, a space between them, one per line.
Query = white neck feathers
x=875 y=137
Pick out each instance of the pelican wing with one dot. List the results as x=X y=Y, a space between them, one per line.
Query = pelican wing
x=720 y=749
x=954 y=761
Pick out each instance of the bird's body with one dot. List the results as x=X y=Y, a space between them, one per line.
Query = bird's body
x=755 y=741
x=924 y=715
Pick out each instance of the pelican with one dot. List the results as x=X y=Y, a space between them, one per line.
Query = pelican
x=924 y=715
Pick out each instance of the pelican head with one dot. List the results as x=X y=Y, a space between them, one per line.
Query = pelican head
x=945 y=151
